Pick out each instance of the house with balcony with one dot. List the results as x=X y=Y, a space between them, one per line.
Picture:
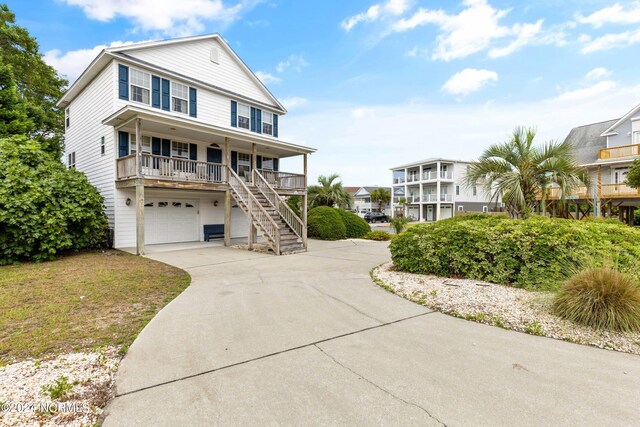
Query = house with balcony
x=607 y=149
x=434 y=189
x=362 y=202
x=182 y=140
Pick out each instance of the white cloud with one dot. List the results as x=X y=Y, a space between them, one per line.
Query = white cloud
x=616 y=14
x=597 y=73
x=416 y=51
x=526 y=33
x=293 y=102
x=72 y=63
x=175 y=18
x=610 y=41
x=266 y=77
x=294 y=62
x=362 y=112
x=597 y=89
x=376 y=12
x=469 y=80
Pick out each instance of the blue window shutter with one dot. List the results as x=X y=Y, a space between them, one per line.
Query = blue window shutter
x=123 y=144
x=155 y=91
x=275 y=125
x=166 y=147
x=253 y=119
x=234 y=161
x=166 y=100
x=214 y=155
x=156 y=146
x=123 y=82
x=193 y=102
x=193 y=152
x=276 y=166
x=258 y=120
x=259 y=162
x=234 y=114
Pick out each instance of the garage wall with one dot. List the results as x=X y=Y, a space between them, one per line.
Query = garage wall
x=125 y=219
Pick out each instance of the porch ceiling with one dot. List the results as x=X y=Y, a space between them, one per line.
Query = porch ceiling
x=189 y=130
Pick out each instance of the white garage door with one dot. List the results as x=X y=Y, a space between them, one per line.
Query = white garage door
x=170 y=220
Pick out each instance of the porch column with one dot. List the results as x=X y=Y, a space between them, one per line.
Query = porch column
x=438 y=189
x=227 y=194
x=253 y=232
x=139 y=191
x=303 y=208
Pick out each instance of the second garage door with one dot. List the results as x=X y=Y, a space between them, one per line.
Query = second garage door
x=170 y=220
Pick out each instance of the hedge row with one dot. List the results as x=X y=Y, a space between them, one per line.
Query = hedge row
x=536 y=254
x=327 y=223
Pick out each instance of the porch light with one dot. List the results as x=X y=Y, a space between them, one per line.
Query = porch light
x=128 y=201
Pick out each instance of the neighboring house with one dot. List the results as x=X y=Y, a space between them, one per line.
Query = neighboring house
x=434 y=189
x=182 y=140
x=607 y=150
x=363 y=203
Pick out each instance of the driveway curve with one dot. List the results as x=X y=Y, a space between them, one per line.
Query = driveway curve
x=309 y=339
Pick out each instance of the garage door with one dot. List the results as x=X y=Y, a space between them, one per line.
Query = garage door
x=170 y=220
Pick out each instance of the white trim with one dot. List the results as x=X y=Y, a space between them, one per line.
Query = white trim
x=620 y=121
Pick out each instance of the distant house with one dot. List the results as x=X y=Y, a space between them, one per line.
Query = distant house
x=183 y=142
x=607 y=149
x=434 y=189
x=363 y=203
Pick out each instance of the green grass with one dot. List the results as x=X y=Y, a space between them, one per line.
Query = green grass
x=81 y=302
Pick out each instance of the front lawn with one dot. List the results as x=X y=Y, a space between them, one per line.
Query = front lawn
x=81 y=302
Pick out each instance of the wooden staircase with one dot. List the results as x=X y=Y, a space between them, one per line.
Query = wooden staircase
x=283 y=231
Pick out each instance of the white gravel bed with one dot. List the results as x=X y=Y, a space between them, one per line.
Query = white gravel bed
x=499 y=305
x=23 y=402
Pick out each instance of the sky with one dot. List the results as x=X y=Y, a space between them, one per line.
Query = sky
x=376 y=84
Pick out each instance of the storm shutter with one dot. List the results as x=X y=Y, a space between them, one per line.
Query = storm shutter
x=258 y=120
x=253 y=119
x=275 y=125
x=214 y=155
x=259 y=162
x=156 y=146
x=155 y=91
x=234 y=161
x=123 y=82
x=193 y=151
x=234 y=114
x=123 y=143
x=166 y=100
x=276 y=165
x=166 y=147
x=193 y=102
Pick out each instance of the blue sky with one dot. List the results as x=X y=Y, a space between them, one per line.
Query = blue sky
x=373 y=84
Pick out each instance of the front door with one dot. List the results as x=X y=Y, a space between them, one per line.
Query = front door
x=429 y=212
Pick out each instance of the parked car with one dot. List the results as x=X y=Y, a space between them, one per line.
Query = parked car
x=376 y=217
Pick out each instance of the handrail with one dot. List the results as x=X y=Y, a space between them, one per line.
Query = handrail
x=286 y=213
x=262 y=217
x=619 y=151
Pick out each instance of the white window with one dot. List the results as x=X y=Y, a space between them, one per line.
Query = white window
x=485 y=209
x=475 y=190
x=244 y=116
x=457 y=190
x=180 y=149
x=460 y=208
x=102 y=146
x=267 y=123
x=140 y=86
x=180 y=98
x=244 y=164
x=71 y=160
x=636 y=137
x=267 y=163
x=146 y=144
x=67 y=120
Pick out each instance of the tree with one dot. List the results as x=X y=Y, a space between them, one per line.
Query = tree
x=633 y=177
x=13 y=114
x=37 y=83
x=516 y=171
x=330 y=193
x=381 y=196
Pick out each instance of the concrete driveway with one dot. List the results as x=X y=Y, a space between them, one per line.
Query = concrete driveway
x=308 y=339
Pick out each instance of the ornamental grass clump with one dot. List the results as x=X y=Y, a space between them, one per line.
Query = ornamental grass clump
x=601 y=298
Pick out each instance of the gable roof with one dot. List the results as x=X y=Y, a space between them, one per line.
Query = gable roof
x=368 y=190
x=120 y=52
x=587 y=140
x=352 y=190
x=611 y=129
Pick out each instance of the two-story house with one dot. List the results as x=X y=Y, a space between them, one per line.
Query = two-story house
x=435 y=189
x=362 y=202
x=607 y=149
x=182 y=140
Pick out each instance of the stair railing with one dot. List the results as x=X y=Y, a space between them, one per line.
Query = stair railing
x=255 y=210
x=286 y=213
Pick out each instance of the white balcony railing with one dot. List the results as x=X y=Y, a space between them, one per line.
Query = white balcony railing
x=170 y=168
x=446 y=197
x=446 y=175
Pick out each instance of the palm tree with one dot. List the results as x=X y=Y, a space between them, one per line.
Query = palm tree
x=381 y=196
x=517 y=171
x=329 y=193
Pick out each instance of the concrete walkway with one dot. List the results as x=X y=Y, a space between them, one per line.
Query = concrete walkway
x=308 y=339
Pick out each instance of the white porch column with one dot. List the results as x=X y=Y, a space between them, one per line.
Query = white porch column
x=139 y=192
x=406 y=193
x=227 y=195
x=303 y=208
x=438 y=197
x=253 y=232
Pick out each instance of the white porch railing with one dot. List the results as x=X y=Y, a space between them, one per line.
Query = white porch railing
x=429 y=175
x=292 y=220
x=257 y=213
x=283 y=180
x=170 y=168
x=446 y=175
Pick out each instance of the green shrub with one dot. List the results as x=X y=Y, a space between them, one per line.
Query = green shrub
x=45 y=208
x=355 y=226
x=59 y=390
x=378 y=235
x=535 y=254
x=601 y=298
x=325 y=223
x=399 y=223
